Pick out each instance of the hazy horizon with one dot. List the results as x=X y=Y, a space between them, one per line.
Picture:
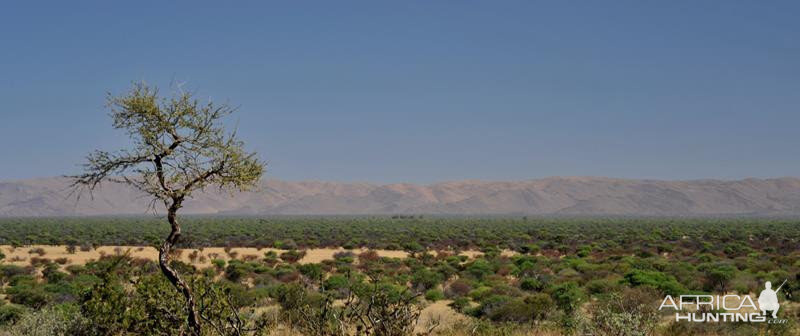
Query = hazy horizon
x=566 y=177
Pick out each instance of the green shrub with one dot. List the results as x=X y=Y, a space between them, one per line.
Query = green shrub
x=313 y=272
x=236 y=270
x=654 y=279
x=10 y=313
x=219 y=264
x=434 y=295
x=480 y=292
x=568 y=296
x=460 y=304
x=480 y=268
x=292 y=256
x=531 y=284
x=336 y=282
x=28 y=294
x=601 y=286
x=424 y=279
x=49 y=321
x=7 y=272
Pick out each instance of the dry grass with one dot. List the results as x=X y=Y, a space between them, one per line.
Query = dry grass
x=439 y=314
x=202 y=257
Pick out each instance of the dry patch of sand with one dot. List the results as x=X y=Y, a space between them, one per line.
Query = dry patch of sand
x=199 y=257
x=439 y=314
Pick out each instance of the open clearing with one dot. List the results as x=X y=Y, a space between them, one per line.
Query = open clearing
x=22 y=255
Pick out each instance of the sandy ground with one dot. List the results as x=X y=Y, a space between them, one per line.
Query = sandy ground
x=439 y=314
x=22 y=255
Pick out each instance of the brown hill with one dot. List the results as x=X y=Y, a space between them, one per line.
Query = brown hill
x=550 y=196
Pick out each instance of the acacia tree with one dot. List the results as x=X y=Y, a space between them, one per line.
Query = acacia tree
x=179 y=146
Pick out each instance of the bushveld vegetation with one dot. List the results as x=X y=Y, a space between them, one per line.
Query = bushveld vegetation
x=567 y=276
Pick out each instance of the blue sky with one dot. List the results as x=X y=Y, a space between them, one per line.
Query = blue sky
x=423 y=91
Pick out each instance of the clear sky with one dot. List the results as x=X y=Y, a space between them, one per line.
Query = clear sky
x=422 y=91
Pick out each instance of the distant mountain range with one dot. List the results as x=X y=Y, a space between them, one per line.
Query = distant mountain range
x=549 y=196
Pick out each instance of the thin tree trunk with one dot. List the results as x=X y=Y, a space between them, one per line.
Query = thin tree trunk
x=171 y=274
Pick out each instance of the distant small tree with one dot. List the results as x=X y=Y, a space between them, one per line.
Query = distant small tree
x=718 y=275
x=568 y=296
x=179 y=146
